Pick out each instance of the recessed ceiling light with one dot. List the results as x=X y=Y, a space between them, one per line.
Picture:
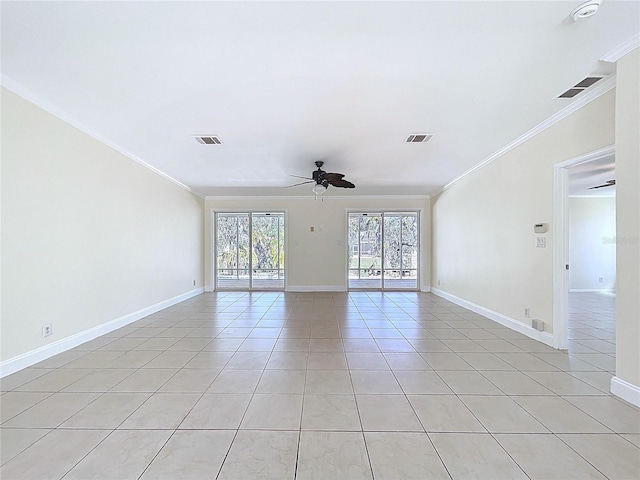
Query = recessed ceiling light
x=208 y=139
x=585 y=10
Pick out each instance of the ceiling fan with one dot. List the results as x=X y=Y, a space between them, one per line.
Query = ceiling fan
x=323 y=179
x=608 y=183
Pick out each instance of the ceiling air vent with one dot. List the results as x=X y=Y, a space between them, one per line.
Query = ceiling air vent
x=419 y=138
x=580 y=87
x=208 y=139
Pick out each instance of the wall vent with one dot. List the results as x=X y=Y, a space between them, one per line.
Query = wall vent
x=581 y=86
x=208 y=139
x=419 y=138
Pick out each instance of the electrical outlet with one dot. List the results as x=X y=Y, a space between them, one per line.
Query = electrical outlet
x=438 y=282
x=601 y=280
x=47 y=330
x=194 y=283
x=527 y=312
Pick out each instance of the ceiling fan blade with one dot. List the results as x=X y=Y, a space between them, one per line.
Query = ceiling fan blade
x=320 y=177
x=608 y=183
x=301 y=183
x=333 y=176
x=341 y=183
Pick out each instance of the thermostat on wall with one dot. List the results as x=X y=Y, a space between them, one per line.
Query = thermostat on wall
x=540 y=228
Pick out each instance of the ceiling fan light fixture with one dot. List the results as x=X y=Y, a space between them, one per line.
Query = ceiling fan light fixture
x=319 y=189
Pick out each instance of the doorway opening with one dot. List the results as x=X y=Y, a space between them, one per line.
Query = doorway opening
x=383 y=250
x=584 y=256
x=249 y=250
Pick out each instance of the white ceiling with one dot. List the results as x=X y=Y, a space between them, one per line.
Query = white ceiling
x=286 y=83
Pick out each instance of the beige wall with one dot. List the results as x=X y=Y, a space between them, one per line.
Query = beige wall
x=592 y=249
x=483 y=246
x=88 y=235
x=317 y=261
x=628 y=219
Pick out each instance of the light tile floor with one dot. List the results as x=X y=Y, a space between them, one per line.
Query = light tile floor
x=303 y=385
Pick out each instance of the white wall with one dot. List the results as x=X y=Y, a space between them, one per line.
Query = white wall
x=88 y=235
x=315 y=261
x=628 y=221
x=592 y=249
x=483 y=247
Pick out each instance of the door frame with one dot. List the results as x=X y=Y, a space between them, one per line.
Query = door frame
x=561 y=242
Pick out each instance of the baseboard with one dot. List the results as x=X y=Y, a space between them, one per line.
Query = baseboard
x=626 y=391
x=509 y=322
x=587 y=290
x=425 y=289
x=316 y=288
x=208 y=288
x=39 y=354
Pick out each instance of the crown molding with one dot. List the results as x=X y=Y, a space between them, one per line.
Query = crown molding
x=608 y=84
x=255 y=197
x=48 y=107
x=622 y=49
x=310 y=197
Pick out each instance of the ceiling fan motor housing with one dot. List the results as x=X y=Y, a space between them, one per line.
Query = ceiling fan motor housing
x=318 y=175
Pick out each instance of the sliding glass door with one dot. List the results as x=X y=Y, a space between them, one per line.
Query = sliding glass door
x=365 y=250
x=383 y=250
x=400 y=250
x=267 y=251
x=249 y=251
x=232 y=251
